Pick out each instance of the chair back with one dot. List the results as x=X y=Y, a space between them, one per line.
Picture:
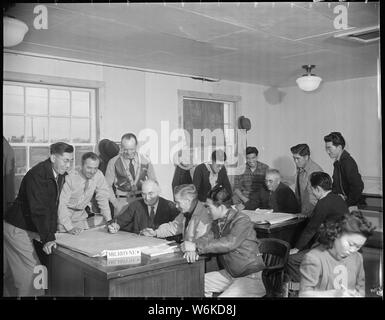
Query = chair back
x=275 y=253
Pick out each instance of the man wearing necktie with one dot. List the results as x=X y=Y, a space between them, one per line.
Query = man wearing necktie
x=148 y=212
x=33 y=216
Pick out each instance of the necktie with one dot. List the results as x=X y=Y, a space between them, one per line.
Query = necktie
x=298 y=189
x=59 y=182
x=152 y=215
x=86 y=185
x=132 y=169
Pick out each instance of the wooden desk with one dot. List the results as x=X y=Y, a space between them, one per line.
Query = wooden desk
x=288 y=231
x=73 y=274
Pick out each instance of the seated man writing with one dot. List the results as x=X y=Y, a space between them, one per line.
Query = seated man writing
x=277 y=195
x=77 y=193
x=192 y=222
x=149 y=212
x=234 y=239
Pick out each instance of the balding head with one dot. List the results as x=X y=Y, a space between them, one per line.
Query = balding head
x=272 y=179
x=150 y=192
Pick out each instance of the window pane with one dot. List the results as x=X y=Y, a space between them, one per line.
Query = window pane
x=36 y=101
x=59 y=102
x=59 y=129
x=80 y=130
x=79 y=151
x=13 y=99
x=80 y=104
x=20 y=159
x=37 y=129
x=37 y=154
x=13 y=129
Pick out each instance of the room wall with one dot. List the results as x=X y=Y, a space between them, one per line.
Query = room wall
x=135 y=100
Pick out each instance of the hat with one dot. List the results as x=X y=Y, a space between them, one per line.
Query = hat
x=108 y=149
x=244 y=123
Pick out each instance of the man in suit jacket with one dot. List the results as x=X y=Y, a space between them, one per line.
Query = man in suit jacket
x=277 y=195
x=34 y=216
x=149 y=212
x=347 y=180
x=330 y=206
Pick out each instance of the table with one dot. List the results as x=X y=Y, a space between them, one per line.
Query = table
x=288 y=230
x=73 y=274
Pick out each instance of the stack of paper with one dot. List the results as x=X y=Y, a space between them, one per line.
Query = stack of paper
x=161 y=249
x=268 y=217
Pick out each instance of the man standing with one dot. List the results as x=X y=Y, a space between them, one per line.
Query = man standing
x=34 y=216
x=305 y=167
x=77 y=193
x=192 y=222
x=126 y=173
x=8 y=175
x=149 y=212
x=346 y=179
x=252 y=180
x=278 y=195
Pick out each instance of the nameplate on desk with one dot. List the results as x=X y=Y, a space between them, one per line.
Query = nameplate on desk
x=123 y=253
x=124 y=261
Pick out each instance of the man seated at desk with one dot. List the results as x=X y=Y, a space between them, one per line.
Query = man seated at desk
x=277 y=195
x=233 y=238
x=78 y=189
x=149 y=212
x=192 y=222
x=330 y=206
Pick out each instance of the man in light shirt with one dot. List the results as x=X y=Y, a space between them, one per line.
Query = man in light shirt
x=76 y=195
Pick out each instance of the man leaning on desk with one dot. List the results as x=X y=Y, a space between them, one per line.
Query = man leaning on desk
x=149 y=212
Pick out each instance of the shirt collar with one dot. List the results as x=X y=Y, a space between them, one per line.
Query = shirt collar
x=55 y=174
x=325 y=194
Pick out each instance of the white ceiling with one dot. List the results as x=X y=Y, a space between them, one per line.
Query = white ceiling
x=263 y=43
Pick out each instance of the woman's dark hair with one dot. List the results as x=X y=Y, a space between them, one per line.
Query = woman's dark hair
x=250 y=150
x=353 y=222
x=321 y=179
x=219 y=195
x=336 y=139
x=302 y=149
x=218 y=155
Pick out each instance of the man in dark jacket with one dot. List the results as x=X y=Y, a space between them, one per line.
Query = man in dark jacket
x=234 y=239
x=330 y=206
x=8 y=175
x=277 y=195
x=149 y=212
x=347 y=180
x=34 y=216
x=208 y=175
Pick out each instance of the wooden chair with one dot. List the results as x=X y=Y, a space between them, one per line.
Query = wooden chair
x=275 y=253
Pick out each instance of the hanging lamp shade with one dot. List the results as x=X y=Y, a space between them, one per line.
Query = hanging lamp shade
x=308 y=81
x=14 y=31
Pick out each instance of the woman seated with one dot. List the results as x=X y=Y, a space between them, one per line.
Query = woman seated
x=335 y=268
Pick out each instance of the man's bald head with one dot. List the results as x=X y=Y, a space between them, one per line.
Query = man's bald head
x=272 y=179
x=150 y=192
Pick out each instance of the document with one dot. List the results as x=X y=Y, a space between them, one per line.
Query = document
x=268 y=217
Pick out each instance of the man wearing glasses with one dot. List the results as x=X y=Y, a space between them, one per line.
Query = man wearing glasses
x=126 y=172
x=33 y=216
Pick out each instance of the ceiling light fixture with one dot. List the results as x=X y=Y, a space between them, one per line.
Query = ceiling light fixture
x=14 y=31
x=308 y=81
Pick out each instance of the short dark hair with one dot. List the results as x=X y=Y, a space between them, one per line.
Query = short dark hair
x=219 y=195
x=90 y=155
x=60 y=148
x=302 y=149
x=250 y=150
x=336 y=139
x=321 y=179
x=353 y=222
x=221 y=155
x=129 y=136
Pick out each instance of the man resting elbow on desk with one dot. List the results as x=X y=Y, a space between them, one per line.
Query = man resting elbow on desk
x=148 y=212
x=192 y=222
x=233 y=238
x=78 y=189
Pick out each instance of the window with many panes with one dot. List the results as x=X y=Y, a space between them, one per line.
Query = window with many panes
x=35 y=116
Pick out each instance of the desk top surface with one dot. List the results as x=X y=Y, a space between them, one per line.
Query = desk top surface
x=278 y=226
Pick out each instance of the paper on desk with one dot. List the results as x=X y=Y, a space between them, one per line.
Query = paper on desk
x=266 y=216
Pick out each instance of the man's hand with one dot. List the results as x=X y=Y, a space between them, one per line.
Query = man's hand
x=75 y=231
x=148 y=232
x=191 y=256
x=293 y=251
x=113 y=227
x=188 y=246
x=47 y=248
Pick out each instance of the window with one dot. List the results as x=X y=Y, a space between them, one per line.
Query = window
x=215 y=114
x=35 y=116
